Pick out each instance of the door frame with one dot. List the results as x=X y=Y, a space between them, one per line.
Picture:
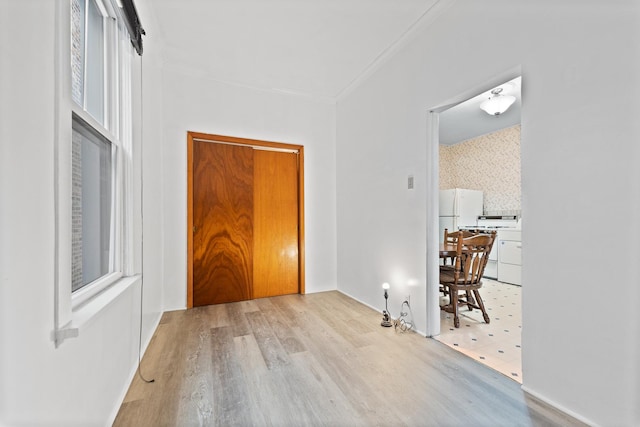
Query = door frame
x=260 y=145
x=432 y=303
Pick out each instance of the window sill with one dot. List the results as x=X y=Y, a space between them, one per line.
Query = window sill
x=83 y=315
x=93 y=289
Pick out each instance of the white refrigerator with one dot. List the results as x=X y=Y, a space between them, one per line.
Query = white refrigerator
x=459 y=208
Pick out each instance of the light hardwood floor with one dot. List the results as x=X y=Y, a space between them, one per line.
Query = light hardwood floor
x=321 y=360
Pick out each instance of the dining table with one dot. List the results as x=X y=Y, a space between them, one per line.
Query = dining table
x=448 y=250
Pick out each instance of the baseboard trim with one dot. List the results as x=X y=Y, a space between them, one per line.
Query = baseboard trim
x=548 y=402
x=531 y=393
x=134 y=370
x=419 y=332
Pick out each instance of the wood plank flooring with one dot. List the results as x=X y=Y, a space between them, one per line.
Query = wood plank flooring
x=314 y=360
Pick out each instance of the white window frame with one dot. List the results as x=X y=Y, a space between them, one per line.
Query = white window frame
x=91 y=289
x=71 y=307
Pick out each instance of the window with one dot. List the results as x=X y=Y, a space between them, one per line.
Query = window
x=100 y=74
x=93 y=224
x=95 y=197
x=88 y=55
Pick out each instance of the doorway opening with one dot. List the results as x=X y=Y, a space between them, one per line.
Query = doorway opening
x=245 y=219
x=472 y=150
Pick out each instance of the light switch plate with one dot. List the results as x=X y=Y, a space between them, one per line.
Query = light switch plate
x=410 y=182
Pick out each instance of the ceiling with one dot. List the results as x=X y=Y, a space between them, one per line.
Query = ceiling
x=466 y=120
x=315 y=48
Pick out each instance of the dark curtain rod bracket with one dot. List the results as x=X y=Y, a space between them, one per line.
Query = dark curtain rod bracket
x=133 y=24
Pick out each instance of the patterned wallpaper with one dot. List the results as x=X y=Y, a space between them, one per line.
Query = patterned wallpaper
x=490 y=163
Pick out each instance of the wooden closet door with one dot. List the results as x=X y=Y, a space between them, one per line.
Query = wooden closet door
x=223 y=223
x=275 y=262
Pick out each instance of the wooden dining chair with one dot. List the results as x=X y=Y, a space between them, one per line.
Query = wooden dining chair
x=472 y=254
x=449 y=238
x=452 y=238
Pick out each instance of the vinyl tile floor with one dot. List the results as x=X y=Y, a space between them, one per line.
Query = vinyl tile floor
x=497 y=344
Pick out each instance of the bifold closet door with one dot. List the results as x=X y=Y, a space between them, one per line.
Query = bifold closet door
x=245 y=218
x=223 y=223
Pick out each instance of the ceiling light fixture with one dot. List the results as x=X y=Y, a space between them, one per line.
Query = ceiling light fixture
x=497 y=103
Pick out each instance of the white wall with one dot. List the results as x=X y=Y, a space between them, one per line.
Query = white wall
x=150 y=157
x=82 y=382
x=579 y=174
x=580 y=67
x=195 y=103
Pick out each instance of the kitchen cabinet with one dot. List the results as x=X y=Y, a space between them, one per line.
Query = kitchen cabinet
x=510 y=256
x=491 y=269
